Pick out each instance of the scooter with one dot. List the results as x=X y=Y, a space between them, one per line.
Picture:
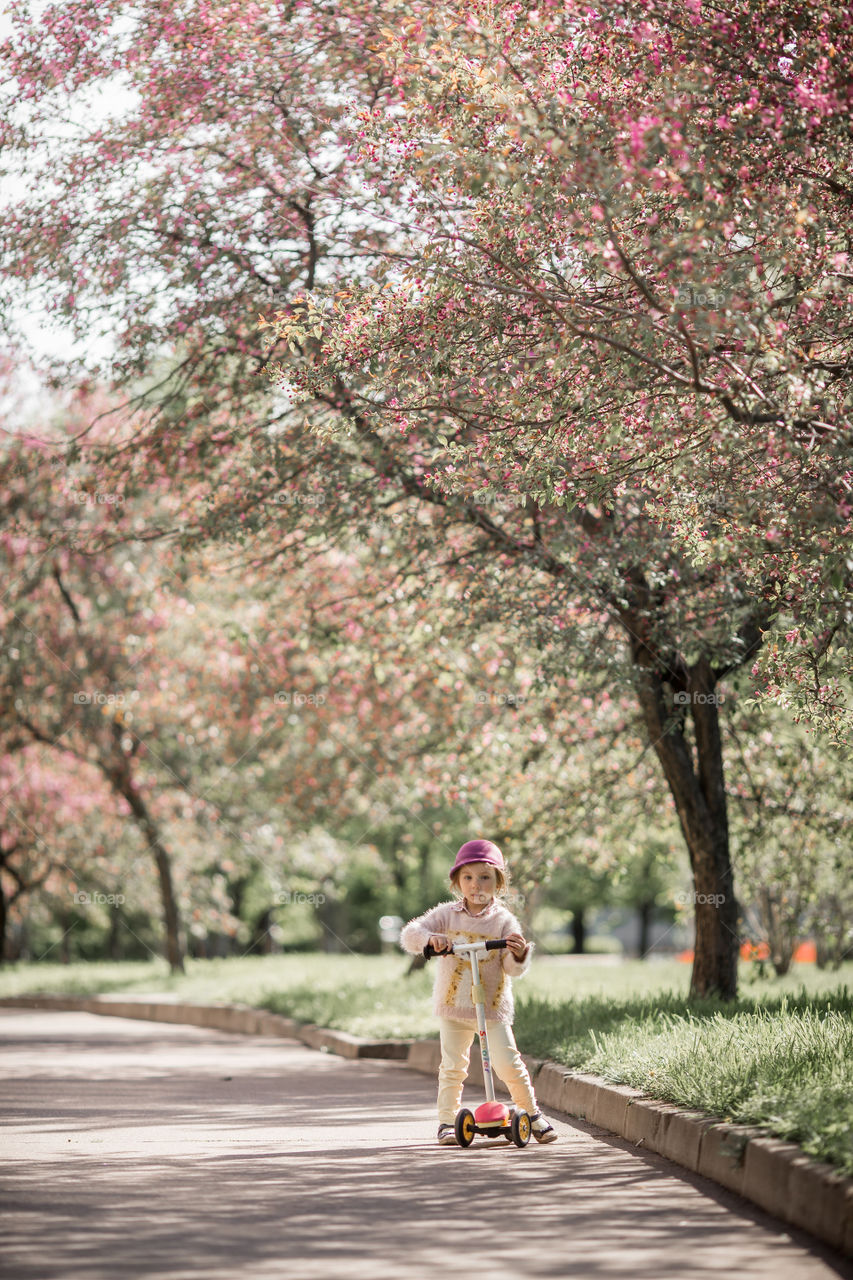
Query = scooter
x=492 y=1119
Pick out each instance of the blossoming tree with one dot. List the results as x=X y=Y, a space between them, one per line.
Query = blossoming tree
x=572 y=284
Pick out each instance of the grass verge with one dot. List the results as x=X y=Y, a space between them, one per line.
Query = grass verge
x=783 y=1063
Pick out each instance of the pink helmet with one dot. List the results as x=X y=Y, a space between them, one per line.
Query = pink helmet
x=479 y=851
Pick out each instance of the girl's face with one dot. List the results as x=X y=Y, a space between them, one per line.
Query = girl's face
x=478 y=881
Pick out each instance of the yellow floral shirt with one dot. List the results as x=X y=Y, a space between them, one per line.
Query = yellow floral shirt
x=452 y=988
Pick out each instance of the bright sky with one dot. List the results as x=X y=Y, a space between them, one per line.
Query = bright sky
x=43 y=332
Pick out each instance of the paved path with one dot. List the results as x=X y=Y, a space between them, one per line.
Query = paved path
x=135 y=1149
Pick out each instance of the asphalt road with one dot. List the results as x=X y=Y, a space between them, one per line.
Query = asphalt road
x=134 y=1149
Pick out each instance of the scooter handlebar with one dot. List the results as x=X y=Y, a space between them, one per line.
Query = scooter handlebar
x=492 y=944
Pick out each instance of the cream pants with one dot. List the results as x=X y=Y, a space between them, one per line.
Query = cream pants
x=456 y=1040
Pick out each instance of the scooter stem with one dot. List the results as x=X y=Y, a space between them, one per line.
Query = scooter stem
x=478 y=995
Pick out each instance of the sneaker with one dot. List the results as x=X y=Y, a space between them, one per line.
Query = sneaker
x=447 y=1136
x=542 y=1129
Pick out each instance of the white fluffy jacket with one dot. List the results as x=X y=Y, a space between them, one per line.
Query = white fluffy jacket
x=452 y=989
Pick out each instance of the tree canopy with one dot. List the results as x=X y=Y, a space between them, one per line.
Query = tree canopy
x=556 y=304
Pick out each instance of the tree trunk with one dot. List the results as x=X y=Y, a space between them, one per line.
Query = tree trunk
x=645 y=911
x=579 y=932
x=122 y=780
x=779 y=923
x=6 y=900
x=113 y=942
x=696 y=780
x=333 y=922
x=830 y=925
x=261 y=943
x=4 y=922
x=66 y=924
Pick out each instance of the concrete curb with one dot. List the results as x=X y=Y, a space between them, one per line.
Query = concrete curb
x=775 y=1175
x=238 y=1018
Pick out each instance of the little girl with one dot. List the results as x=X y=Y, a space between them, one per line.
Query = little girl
x=478 y=877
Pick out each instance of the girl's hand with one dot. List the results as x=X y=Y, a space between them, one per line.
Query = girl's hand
x=517 y=945
x=439 y=942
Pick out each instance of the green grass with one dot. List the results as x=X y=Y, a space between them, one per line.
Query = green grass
x=780 y=1057
x=782 y=1062
x=366 y=995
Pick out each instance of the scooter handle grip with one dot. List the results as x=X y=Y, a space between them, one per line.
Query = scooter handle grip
x=492 y=944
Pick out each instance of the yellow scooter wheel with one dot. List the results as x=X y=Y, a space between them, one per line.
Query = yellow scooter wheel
x=464 y=1127
x=520 y=1128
